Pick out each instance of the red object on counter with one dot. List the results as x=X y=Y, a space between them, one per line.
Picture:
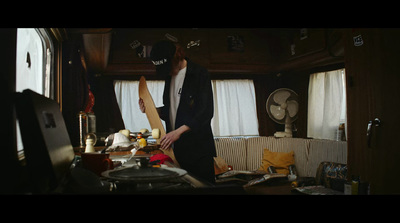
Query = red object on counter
x=162 y=158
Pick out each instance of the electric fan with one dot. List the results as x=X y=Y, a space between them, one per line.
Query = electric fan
x=282 y=107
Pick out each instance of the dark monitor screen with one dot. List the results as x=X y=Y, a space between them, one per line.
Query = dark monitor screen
x=47 y=146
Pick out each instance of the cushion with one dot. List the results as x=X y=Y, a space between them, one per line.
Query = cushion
x=280 y=160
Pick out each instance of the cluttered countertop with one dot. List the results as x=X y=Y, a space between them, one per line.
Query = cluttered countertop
x=133 y=163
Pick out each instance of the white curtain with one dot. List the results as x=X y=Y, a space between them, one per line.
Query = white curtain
x=127 y=93
x=326 y=104
x=234 y=108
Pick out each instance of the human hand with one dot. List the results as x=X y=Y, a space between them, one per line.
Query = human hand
x=168 y=139
x=141 y=105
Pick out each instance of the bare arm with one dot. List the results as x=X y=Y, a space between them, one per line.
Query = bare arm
x=173 y=136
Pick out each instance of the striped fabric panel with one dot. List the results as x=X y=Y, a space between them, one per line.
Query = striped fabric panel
x=246 y=153
x=256 y=148
x=321 y=150
x=299 y=146
x=233 y=151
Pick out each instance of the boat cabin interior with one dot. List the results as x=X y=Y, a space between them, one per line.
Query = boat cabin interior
x=341 y=87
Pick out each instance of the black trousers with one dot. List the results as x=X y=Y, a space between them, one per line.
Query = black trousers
x=202 y=169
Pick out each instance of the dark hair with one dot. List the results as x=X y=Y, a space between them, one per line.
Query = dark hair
x=179 y=54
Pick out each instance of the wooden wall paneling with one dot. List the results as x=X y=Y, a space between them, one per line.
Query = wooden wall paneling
x=124 y=60
x=199 y=54
x=254 y=49
x=218 y=45
x=311 y=41
x=372 y=79
x=121 y=50
x=263 y=51
x=213 y=52
x=359 y=96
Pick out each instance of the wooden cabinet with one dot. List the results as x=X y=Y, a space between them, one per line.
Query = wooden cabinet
x=123 y=49
x=239 y=46
x=114 y=52
x=220 y=50
x=199 y=51
x=372 y=71
x=303 y=42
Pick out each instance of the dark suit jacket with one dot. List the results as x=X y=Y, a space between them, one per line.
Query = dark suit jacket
x=196 y=109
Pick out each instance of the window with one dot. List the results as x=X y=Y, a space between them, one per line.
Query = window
x=235 y=111
x=34 y=60
x=29 y=61
x=33 y=65
x=234 y=106
x=326 y=104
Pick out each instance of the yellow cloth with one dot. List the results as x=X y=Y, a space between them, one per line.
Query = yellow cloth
x=280 y=160
x=220 y=166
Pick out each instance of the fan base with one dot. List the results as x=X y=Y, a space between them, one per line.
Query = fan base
x=283 y=134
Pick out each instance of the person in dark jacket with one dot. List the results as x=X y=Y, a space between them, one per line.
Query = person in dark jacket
x=188 y=109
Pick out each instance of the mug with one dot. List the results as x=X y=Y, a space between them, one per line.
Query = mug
x=97 y=162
